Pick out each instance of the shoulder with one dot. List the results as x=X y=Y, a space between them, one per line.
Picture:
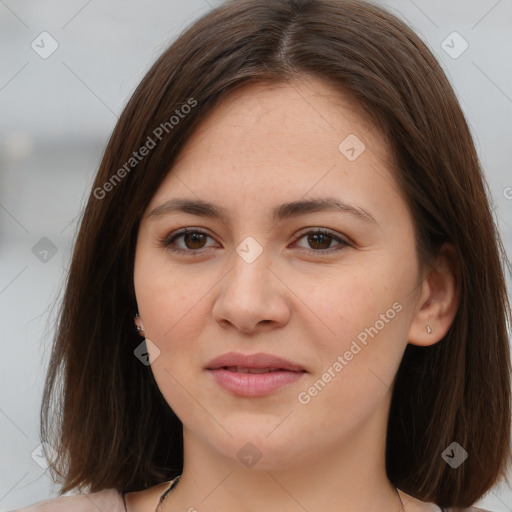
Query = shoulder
x=469 y=509
x=108 y=499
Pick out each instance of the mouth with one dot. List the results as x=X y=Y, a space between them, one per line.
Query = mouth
x=253 y=363
x=253 y=375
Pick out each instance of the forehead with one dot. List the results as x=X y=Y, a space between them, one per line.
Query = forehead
x=306 y=112
x=268 y=142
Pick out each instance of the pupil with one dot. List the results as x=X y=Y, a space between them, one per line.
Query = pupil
x=322 y=236
x=195 y=237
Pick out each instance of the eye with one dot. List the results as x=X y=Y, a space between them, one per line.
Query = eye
x=320 y=239
x=194 y=239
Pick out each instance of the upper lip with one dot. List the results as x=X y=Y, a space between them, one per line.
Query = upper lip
x=259 y=360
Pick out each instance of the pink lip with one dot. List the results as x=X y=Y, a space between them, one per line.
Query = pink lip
x=253 y=384
x=259 y=360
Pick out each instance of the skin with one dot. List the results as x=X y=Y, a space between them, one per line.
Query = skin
x=262 y=146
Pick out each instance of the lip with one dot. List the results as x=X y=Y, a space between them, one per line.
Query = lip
x=253 y=384
x=259 y=360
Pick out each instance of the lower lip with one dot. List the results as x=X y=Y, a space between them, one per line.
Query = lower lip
x=254 y=384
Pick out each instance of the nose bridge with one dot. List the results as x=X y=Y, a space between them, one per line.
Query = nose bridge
x=250 y=294
x=250 y=263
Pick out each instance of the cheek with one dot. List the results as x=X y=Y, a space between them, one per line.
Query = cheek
x=171 y=309
x=358 y=362
x=166 y=295
x=368 y=313
x=355 y=301
x=170 y=315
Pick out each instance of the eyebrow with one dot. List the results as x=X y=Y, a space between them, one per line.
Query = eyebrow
x=280 y=212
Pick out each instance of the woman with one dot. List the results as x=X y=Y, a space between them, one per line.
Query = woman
x=286 y=292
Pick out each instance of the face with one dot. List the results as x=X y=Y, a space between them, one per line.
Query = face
x=331 y=289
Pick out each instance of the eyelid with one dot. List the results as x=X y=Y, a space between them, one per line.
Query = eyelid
x=342 y=240
x=327 y=231
x=170 y=237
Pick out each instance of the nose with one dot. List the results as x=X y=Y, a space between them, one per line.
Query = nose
x=252 y=298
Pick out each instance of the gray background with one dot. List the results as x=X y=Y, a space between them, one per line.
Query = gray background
x=55 y=118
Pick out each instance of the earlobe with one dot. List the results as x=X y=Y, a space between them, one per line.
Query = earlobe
x=438 y=301
x=138 y=324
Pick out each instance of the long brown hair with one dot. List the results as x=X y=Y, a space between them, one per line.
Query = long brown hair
x=102 y=410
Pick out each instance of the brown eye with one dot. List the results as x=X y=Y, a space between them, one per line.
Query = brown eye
x=194 y=240
x=320 y=241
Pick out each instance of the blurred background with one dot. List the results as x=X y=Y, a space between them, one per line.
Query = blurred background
x=67 y=69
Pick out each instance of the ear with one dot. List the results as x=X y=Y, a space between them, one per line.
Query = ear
x=139 y=325
x=438 y=300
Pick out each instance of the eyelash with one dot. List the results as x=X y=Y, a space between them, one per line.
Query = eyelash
x=168 y=240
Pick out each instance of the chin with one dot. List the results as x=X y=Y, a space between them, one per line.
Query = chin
x=254 y=448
